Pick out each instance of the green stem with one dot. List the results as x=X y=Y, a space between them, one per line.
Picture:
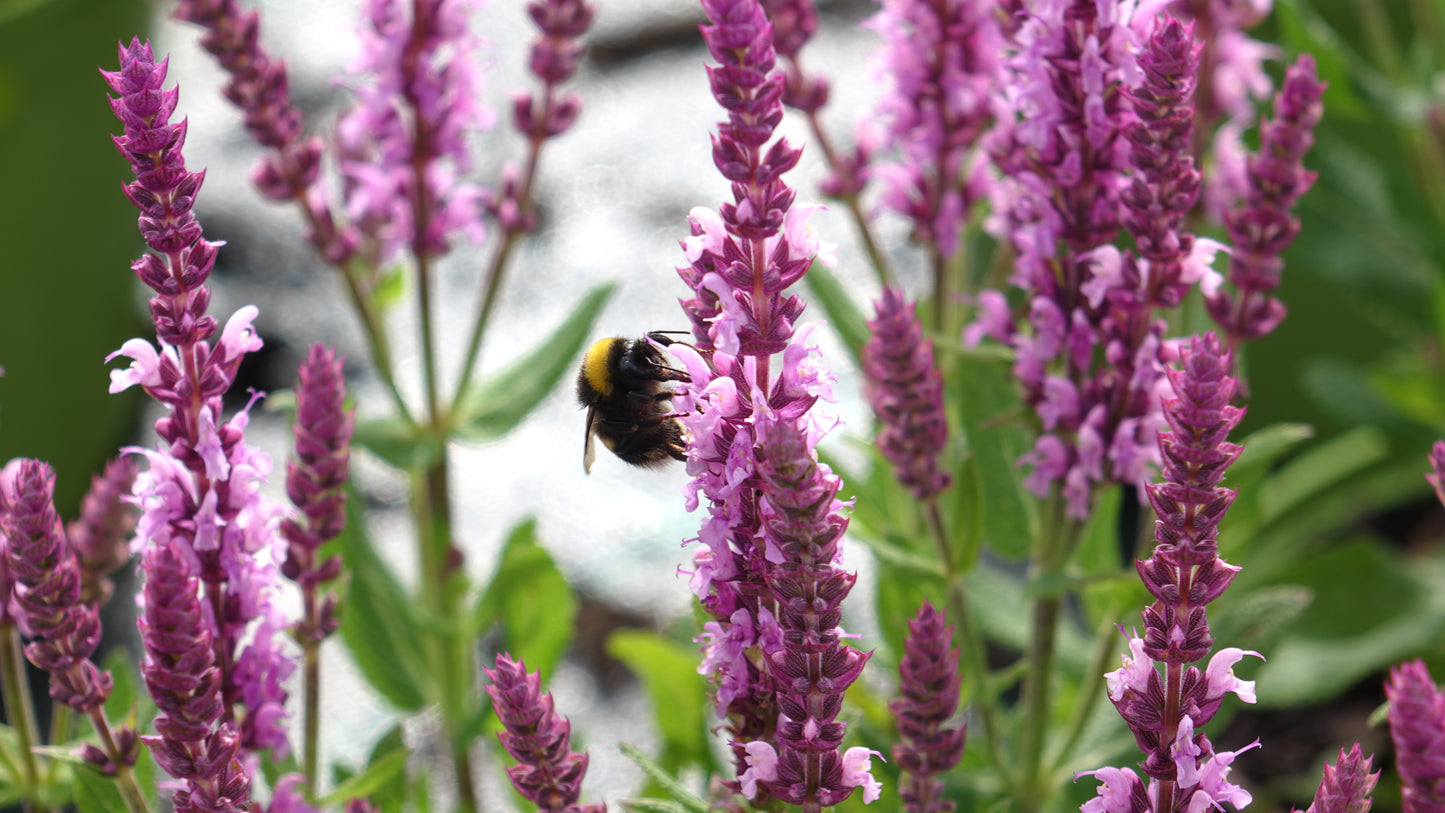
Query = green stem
x=855 y=206
x=130 y=790
x=1091 y=693
x=61 y=719
x=1057 y=540
x=975 y=658
x=311 y=688
x=17 y=702
x=376 y=340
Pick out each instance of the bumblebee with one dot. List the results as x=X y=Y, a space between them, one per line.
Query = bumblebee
x=629 y=407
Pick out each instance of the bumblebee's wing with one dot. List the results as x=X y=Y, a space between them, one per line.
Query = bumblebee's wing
x=589 y=452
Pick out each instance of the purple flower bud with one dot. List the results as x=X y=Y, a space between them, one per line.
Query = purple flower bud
x=1262 y=225
x=547 y=773
x=259 y=87
x=316 y=476
x=1346 y=785
x=906 y=391
x=47 y=587
x=99 y=535
x=193 y=744
x=1417 y=727
x=928 y=697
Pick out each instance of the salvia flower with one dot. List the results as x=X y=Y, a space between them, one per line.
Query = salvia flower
x=1262 y=223
x=1099 y=100
x=794 y=24
x=906 y=391
x=941 y=61
x=47 y=587
x=258 y=85
x=315 y=479
x=768 y=573
x=193 y=743
x=1165 y=699
x=403 y=146
x=1417 y=727
x=201 y=495
x=928 y=698
x=547 y=773
x=1346 y=785
x=98 y=536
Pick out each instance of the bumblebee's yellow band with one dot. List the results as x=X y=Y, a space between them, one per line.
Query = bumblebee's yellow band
x=594 y=366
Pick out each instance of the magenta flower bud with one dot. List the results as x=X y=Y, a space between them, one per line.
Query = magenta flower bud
x=99 y=536
x=47 y=588
x=1346 y=785
x=1417 y=727
x=928 y=697
x=906 y=391
x=1262 y=225
x=546 y=773
x=192 y=744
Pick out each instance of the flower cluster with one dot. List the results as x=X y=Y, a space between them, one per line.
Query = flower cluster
x=941 y=59
x=1417 y=720
x=546 y=773
x=204 y=518
x=1265 y=187
x=768 y=573
x=928 y=688
x=1346 y=785
x=906 y=391
x=1097 y=138
x=47 y=587
x=403 y=146
x=1165 y=710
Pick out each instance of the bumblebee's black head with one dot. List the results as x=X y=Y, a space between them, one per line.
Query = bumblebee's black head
x=622 y=384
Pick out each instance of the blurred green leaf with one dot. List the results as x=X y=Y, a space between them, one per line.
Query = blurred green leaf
x=95 y=792
x=532 y=601
x=1305 y=32
x=843 y=314
x=493 y=406
x=1371 y=608
x=389 y=797
x=390 y=291
x=1309 y=475
x=381 y=773
x=1258 y=619
x=668 y=671
x=985 y=395
x=379 y=626
x=682 y=799
x=405 y=446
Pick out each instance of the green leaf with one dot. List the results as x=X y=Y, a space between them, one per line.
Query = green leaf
x=1310 y=474
x=379 y=626
x=681 y=797
x=654 y=806
x=843 y=314
x=668 y=671
x=494 y=406
x=1371 y=609
x=531 y=599
x=390 y=290
x=405 y=446
x=95 y=792
x=382 y=773
x=985 y=394
x=1258 y=619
